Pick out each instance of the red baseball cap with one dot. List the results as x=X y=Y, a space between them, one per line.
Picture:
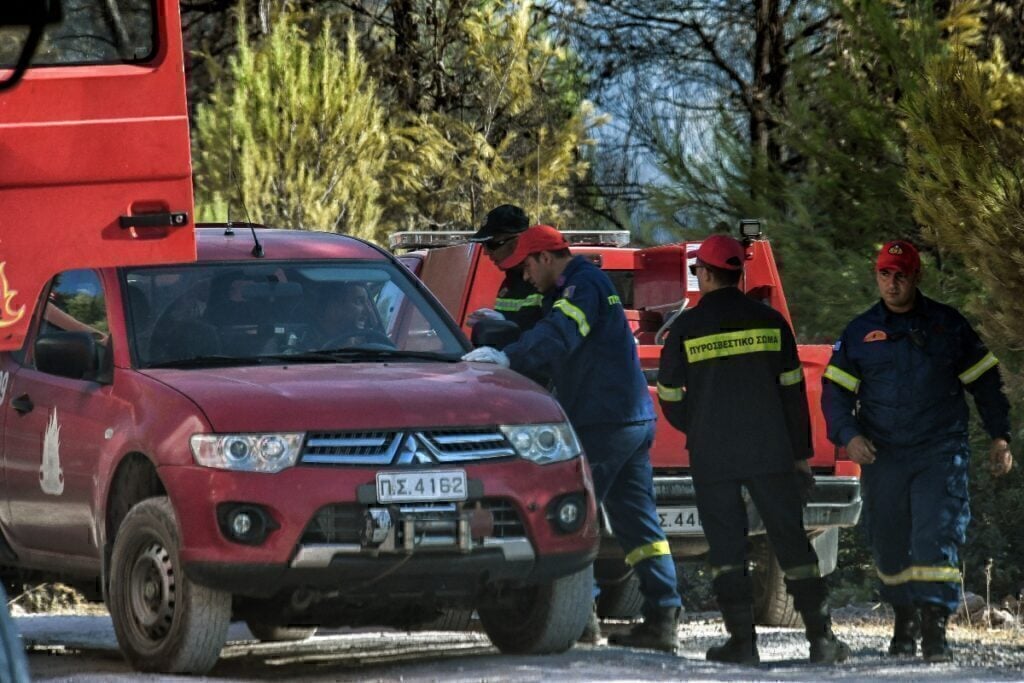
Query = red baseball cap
x=899 y=255
x=720 y=251
x=533 y=240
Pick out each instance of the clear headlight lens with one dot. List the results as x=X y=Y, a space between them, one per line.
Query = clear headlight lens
x=543 y=444
x=246 y=452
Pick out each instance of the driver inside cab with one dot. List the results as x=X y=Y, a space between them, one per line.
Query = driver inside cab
x=345 y=317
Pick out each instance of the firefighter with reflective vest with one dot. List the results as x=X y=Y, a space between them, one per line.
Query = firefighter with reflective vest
x=585 y=345
x=517 y=300
x=893 y=395
x=730 y=378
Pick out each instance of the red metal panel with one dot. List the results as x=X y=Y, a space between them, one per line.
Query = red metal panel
x=81 y=146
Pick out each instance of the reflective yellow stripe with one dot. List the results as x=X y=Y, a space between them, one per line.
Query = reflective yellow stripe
x=614 y=299
x=673 y=394
x=725 y=569
x=646 y=552
x=940 y=574
x=518 y=304
x=575 y=314
x=842 y=378
x=806 y=571
x=788 y=379
x=733 y=344
x=978 y=369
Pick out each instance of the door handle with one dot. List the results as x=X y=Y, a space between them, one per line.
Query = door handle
x=23 y=404
x=164 y=219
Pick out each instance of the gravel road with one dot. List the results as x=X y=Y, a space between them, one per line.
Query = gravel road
x=79 y=648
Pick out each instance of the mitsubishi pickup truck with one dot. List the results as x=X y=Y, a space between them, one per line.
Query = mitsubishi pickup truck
x=283 y=432
x=654 y=284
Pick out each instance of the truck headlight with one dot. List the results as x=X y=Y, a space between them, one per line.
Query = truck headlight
x=246 y=452
x=543 y=444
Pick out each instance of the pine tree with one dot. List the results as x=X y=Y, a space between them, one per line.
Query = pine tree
x=294 y=135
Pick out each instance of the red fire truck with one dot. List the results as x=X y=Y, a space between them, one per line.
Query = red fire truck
x=96 y=167
x=654 y=284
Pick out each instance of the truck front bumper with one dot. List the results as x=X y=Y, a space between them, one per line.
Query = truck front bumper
x=835 y=502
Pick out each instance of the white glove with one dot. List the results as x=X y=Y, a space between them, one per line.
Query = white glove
x=483 y=314
x=487 y=354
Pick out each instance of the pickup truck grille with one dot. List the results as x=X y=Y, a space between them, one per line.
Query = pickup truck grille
x=405 y=447
x=344 y=523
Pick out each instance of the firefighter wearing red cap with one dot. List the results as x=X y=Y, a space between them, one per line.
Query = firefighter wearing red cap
x=730 y=378
x=893 y=395
x=585 y=345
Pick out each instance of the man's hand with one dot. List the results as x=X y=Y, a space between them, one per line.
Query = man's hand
x=487 y=354
x=861 y=450
x=483 y=314
x=1000 y=458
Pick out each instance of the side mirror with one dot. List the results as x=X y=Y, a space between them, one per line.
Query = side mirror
x=67 y=354
x=496 y=333
x=36 y=15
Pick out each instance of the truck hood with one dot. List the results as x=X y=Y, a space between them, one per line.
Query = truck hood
x=350 y=396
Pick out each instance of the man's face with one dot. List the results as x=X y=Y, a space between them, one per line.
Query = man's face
x=500 y=247
x=540 y=270
x=897 y=289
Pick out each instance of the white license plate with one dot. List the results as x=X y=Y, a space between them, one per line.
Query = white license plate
x=419 y=487
x=679 y=519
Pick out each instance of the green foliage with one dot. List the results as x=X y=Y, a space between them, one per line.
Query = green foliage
x=293 y=135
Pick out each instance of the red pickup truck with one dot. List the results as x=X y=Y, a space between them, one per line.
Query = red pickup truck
x=214 y=440
x=654 y=284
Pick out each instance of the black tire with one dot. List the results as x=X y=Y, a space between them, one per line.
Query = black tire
x=773 y=606
x=272 y=633
x=164 y=623
x=621 y=599
x=543 y=619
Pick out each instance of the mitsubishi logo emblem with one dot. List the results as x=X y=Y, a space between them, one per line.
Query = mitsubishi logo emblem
x=409 y=452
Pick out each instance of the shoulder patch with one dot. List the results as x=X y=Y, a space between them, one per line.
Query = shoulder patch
x=838 y=345
x=569 y=291
x=503 y=291
x=876 y=335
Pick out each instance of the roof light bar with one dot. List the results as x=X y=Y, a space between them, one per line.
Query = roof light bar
x=427 y=239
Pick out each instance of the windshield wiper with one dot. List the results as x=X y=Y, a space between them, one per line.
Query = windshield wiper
x=206 y=361
x=365 y=352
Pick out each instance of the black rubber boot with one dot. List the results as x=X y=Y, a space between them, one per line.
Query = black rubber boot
x=658 y=631
x=934 y=647
x=592 y=631
x=741 y=648
x=810 y=599
x=905 y=632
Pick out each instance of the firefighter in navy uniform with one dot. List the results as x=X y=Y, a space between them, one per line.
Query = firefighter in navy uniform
x=893 y=395
x=730 y=378
x=517 y=300
x=584 y=344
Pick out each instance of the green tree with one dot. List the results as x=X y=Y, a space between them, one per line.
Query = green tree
x=294 y=135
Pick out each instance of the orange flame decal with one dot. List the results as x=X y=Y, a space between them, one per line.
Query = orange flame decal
x=8 y=316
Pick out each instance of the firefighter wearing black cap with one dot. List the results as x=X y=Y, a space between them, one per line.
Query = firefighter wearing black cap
x=517 y=300
x=584 y=344
x=730 y=378
x=894 y=396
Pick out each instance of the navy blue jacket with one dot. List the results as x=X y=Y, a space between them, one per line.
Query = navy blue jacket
x=899 y=378
x=584 y=344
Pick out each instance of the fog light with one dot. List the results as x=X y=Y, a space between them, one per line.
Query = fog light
x=241 y=524
x=245 y=523
x=568 y=513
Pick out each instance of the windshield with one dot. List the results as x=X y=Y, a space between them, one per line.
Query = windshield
x=317 y=311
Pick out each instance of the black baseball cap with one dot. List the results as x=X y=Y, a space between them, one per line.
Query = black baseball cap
x=501 y=220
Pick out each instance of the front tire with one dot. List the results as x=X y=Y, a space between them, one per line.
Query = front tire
x=163 y=621
x=773 y=606
x=544 y=619
x=621 y=600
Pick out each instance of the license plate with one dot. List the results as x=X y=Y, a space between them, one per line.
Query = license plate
x=679 y=519
x=420 y=487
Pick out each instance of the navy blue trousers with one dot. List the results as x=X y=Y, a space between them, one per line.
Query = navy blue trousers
x=915 y=517
x=619 y=457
